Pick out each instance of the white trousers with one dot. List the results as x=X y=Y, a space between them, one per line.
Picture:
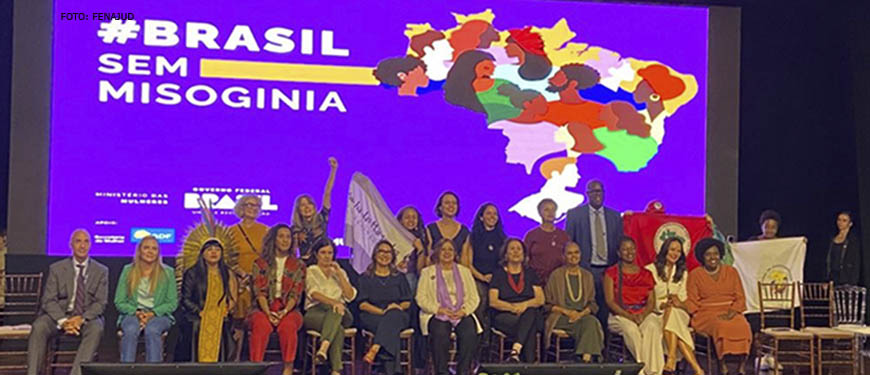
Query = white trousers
x=644 y=341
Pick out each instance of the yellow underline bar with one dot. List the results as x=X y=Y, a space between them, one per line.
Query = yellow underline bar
x=269 y=71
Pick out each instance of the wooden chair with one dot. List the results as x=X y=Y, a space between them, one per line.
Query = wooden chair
x=502 y=349
x=833 y=346
x=850 y=304
x=62 y=351
x=615 y=350
x=406 y=358
x=704 y=347
x=348 y=352
x=787 y=346
x=23 y=292
x=556 y=349
x=451 y=353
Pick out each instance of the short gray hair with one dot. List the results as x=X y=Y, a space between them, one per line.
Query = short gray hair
x=240 y=203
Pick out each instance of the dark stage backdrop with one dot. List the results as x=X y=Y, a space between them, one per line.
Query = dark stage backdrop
x=798 y=148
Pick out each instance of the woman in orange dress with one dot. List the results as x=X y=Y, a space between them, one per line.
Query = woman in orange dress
x=717 y=303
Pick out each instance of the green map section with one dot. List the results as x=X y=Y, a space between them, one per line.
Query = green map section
x=629 y=153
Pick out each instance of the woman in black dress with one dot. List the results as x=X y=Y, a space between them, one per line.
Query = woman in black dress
x=516 y=295
x=487 y=240
x=844 y=253
x=384 y=298
x=446 y=226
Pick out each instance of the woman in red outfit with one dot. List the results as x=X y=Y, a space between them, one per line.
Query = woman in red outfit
x=279 y=281
x=630 y=295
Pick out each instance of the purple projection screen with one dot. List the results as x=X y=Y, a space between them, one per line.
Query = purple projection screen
x=189 y=100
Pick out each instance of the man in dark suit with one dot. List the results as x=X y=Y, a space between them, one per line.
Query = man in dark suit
x=75 y=296
x=597 y=229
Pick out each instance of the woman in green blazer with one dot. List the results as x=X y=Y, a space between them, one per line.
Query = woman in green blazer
x=146 y=297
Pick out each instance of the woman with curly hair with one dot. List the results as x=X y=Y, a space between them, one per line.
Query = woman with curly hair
x=279 y=281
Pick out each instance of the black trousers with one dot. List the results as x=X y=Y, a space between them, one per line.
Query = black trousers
x=523 y=328
x=387 y=328
x=466 y=340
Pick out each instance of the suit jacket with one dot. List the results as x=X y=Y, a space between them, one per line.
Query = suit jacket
x=579 y=230
x=60 y=288
x=850 y=264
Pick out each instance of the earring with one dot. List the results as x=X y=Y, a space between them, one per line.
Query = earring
x=654 y=97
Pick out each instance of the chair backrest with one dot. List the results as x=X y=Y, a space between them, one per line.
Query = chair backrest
x=850 y=304
x=817 y=303
x=23 y=292
x=776 y=302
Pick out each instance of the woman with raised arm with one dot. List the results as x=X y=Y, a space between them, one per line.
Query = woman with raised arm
x=208 y=297
x=279 y=281
x=516 y=295
x=447 y=298
x=628 y=291
x=329 y=291
x=570 y=294
x=145 y=298
x=716 y=301
x=670 y=274
x=384 y=299
x=309 y=224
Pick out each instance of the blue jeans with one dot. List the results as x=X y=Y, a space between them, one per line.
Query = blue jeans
x=153 y=338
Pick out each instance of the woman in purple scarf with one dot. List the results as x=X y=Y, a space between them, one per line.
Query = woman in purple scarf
x=447 y=297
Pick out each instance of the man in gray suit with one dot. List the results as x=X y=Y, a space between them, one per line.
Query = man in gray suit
x=597 y=229
x=75 y=296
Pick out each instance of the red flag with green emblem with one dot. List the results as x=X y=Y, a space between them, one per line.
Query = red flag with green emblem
x=650 y=230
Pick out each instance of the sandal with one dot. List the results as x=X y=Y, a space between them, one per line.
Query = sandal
x=514 y=357
x=319 y=358
x=370 y=356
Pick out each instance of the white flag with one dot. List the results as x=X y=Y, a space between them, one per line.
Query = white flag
x=369 y=220
x=778 y=260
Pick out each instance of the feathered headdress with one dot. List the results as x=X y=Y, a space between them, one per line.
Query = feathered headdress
x=208 y=229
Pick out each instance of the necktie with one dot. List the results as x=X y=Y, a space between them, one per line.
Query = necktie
x=79 y=306
x=600 y=240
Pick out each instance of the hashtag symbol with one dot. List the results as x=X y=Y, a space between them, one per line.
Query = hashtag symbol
x=117 y=30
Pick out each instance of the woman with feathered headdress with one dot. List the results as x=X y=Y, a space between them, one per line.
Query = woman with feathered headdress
x=208 y=295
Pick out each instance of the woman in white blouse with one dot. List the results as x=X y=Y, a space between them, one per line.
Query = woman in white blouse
x=328 y=290
x=670 y=274
x=447 y=297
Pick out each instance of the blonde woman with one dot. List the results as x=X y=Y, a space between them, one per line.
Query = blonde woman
x=308 y=223
x=249 y=234
x=146 y=297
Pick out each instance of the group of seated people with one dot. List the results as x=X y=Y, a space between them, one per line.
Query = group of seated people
x=648 y=306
